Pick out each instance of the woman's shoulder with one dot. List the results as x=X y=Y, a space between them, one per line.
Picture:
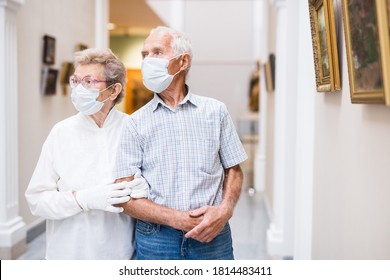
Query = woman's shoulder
x=67 y=122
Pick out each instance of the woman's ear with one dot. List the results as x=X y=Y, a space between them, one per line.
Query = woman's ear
x=117 y=89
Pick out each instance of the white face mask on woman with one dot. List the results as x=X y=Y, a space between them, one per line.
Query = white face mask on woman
x=155 y=73
x=84 y=100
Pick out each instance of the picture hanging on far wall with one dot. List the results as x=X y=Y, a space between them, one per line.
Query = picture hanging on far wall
x=49 y=49
x=324 y=40
x=49 y=81
x=366 y=26
x=270 y=73
x=80 y=47
x=137 y=95
x=67 y=70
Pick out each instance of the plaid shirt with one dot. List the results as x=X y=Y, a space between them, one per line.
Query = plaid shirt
x=182 y=152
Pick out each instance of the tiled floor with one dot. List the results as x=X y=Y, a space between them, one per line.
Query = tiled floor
x=249 y=225
x=35 y=249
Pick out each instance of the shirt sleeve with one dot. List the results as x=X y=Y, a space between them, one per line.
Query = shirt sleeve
x=231 y=151
x=129 y=153
x=42 y=193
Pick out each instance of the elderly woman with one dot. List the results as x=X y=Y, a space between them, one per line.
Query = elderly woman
x=72 y=185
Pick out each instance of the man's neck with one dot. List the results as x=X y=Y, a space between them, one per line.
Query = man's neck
x=173 y=97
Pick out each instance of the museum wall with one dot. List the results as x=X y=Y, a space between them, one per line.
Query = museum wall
x=351 y=212
x=71 y=23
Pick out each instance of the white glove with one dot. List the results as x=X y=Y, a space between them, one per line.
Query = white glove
x=139 y=186
x=104 y=197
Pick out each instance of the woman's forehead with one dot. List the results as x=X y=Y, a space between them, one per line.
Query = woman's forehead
x=94 y=70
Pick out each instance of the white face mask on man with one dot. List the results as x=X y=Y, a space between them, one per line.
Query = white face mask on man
x=84 y=100
x=155 y=73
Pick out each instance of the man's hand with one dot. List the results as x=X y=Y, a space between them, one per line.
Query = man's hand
x=214 y=219
x=184 y=221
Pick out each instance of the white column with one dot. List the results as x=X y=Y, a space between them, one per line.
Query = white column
x=280 y=233
x=261 y=52
x=12 y=227
x=305 y=140
x=177 y=15
x=170 y=11
x=101 y=20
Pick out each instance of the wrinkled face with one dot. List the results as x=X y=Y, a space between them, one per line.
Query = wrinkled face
x=158 y=45
x=92 y=76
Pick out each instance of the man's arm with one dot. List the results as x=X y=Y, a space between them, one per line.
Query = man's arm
x=215 y=217
x=149 y=211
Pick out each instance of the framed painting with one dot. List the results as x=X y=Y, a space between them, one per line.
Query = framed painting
x=366 y=29
x=270 y=73
x=324 y=42
x=81 y=47
x=137 y=95
x=49 y=49
x=383 y=9
x=49 y=81
x=67 y=69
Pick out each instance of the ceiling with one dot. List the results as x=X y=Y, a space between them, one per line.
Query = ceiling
x=132 y=17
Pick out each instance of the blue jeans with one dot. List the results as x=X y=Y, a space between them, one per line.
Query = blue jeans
x=158 y=242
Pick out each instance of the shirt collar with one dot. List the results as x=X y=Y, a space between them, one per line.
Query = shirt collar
x=111 y=117
x=190 y=98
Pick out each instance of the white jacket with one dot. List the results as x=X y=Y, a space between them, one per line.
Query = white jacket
x=77 y=155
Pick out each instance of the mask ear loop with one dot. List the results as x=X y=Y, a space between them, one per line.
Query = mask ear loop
x=181 y=63
x=105 y=90
x=107 y=87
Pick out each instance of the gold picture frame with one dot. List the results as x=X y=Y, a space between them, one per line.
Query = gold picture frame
x=137 y=95
x=67 y=69
x=366 y=27
x=324 y=39
x=269 y=68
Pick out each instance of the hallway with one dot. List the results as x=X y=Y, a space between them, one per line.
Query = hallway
x=249 y=226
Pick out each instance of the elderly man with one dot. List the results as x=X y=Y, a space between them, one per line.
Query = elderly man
x=188 y=151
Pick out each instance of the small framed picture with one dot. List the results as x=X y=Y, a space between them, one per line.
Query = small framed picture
x=324 y=40
x=67 y=69
x=49 y=50
x=366 y=26
x=80 y=47
x=270 y=73
x=49 y=81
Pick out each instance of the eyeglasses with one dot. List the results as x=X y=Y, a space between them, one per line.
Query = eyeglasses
x=87 y=81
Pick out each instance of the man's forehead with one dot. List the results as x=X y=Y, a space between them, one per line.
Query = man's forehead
x=161 y=37
x=157 y=44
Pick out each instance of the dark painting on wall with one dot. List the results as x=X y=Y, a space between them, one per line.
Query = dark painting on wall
x=49 y=49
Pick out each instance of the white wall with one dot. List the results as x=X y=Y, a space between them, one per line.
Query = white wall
x=70 y=22
x=223 y=39
x=342 y=189
x=351 y=212
x=268 y=191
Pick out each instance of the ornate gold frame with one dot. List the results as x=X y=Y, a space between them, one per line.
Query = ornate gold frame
x=270 y=73
x=325 y=58
x=376 y=93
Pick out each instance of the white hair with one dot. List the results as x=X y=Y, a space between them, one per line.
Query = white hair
x=180 y=41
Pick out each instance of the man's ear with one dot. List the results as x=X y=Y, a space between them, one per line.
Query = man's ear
x=186 y=61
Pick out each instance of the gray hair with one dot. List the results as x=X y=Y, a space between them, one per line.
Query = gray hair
x=180 y=41
x=114 y=70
